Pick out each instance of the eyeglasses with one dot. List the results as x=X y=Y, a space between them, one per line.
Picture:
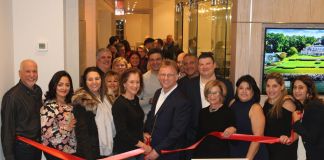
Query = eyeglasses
x=214 y=93
x=167 y=75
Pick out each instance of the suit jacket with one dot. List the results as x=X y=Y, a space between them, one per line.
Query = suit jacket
x=169 y=125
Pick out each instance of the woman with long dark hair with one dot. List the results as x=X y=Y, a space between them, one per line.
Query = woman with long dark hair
x=249 y=119
x=310 y=125
x=57 y=119
x=94 y=127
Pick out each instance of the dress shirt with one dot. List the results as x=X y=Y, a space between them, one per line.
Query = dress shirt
x=20 y=116
x=204 y=102
x=162 y=97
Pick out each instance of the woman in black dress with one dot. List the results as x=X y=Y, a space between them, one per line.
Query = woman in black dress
x=215 y=117
x=128 y=114
x=249 y=119
x=310 y=125
x=278 y=110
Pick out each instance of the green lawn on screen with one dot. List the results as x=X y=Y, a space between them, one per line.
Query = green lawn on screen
x=301 y=64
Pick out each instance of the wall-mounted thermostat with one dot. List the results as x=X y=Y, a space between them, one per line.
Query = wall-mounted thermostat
x=42 y=46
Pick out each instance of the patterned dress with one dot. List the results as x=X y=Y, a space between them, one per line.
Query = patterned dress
x=54 y=126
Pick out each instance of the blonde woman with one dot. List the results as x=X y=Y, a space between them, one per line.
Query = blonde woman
x=215 y=117
x=119 y=65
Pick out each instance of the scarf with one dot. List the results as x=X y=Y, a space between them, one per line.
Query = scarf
x=106 y=127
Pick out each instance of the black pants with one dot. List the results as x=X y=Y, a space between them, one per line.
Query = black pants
x=24 y=151
x=50 y=157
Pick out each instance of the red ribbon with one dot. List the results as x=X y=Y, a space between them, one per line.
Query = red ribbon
x=49 y=150
x=241 y=137
x=135 y=152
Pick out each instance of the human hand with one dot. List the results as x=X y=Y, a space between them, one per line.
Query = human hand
x=285 y=140
x=147 y=149
x=296 y=115
x=70 y=124
x=152 y=155
x=147 y=137
x=229 y=131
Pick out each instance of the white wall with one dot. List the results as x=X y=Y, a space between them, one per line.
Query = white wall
x=104 y=22
x=137 y=28
x=39 y=20
x=163 y=18
x=6 y=67
x=23 y=24
x=71 y=46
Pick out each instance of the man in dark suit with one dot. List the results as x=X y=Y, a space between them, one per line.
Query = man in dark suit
x=168 y=120
x=194 y=89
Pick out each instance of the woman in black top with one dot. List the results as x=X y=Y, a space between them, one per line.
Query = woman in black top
x=310 y=126
x=94 y=123
x=215 y=117
x=249 y=119
x=128 y=114
x=278 y=110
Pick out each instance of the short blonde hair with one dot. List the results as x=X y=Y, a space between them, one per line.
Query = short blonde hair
x=215 y=83
x=120 y=59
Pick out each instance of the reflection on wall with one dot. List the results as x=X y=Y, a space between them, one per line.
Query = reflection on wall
x=206 y=27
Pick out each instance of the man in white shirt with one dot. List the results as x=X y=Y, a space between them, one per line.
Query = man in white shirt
x=150 y=79
x=168 y=120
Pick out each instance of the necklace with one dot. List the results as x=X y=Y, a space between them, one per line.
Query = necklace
x=214 y=109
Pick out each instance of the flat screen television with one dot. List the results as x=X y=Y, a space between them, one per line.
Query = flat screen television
x=292 y=50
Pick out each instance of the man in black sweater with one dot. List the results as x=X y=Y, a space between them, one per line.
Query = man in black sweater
x=20 y=115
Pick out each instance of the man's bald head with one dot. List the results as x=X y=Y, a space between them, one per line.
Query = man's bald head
x=28 y=72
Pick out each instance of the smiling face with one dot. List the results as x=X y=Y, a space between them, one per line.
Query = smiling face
x=206 y=67
x=93 y=82
x=104 y=61
x=132 y=85
x=119 y=67
x=63 y=88
x=300 y=91
x=168 y=77
x=134 y=60
x=190 y=65
x=28 y=73
x=155 y=60
x=112 y=83
x=245 y=92
x=273 y=89
x=214 y=96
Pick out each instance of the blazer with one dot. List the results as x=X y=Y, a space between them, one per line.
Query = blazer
x=169 y=125
x=310 y=128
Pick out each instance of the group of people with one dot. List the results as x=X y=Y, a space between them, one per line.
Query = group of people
x=121 y=108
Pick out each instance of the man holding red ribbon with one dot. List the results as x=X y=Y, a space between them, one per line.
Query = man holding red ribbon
x=20 y=115
x=169 y=117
